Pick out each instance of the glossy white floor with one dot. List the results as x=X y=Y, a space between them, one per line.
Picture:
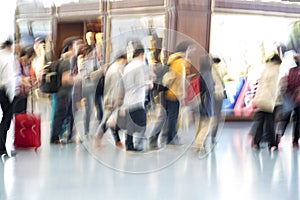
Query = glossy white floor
x=80 y=171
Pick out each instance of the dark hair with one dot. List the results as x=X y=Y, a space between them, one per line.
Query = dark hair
x=68 y=42
x=216 y=59
x=138 y=49
x=7 y=43
x=29 y=51
x=274 y=58
x=183 y=46
x=121 y=55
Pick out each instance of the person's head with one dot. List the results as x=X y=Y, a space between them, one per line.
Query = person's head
x=27 y=54
x=275 y=58
x=121 y=57
x=90 y=38
x=205 y=63
x=99 y=38
x=7 y=44
x=158 y=50
x=138 y=50
x=216 y=59
x=183 y=46
x=72 y=45
x=39 y=45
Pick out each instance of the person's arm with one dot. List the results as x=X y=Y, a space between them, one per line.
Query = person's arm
x=67 y=78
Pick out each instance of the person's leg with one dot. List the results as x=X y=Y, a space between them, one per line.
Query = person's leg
x=59 y=117
x=158 y=126
x=99 y=106
x=259 y=121
x=270 y=130
x=87 y=114
x=282 y=120
x=202 y=132
x=70 y=120
x=7 y=114
x=139 y=118
x=216 y=119
x=172 y=116
x=115 y=133
x=136 y=123
x=296 y=127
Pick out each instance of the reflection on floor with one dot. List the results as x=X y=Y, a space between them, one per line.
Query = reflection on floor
x=81 y=171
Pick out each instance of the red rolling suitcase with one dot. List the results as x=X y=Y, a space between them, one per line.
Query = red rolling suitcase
x=27 y=129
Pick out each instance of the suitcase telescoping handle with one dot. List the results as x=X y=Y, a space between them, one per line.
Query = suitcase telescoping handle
x=31 y=94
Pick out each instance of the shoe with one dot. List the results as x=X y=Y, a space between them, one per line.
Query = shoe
x=70 y=141
x=278 y=139
x=202 y=153
x=153 y=147
x=273 y=148
x=3 y=152
x=55 y=142
x=250 y=140
x=130 y=147
x=73 y=140
x=295 y=144
x=133 y=149
x=119 y=144
x=255 y=146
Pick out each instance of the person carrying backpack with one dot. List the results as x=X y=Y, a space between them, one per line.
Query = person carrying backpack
x=64 y=109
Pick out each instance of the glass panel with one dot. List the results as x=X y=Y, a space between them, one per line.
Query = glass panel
x=132 y=28
x=243 y=42
x=30 y=30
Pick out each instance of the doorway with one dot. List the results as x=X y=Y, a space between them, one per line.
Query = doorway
x=65 y=30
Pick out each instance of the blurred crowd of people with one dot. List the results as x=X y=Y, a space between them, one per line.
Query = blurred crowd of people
x=123 y=92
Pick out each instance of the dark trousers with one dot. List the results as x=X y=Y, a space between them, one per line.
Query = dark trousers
x=115 y=131
x=172 y=108
x=99 y=106
x=136 y=123
x=283 y=120
x=70 y=118
x=20 y=104
x=7 y=111
x=266 y=119
x=63 y=113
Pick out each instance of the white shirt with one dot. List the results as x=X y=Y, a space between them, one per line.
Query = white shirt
x=9 y=74
x=288 y=62
x=134 y=81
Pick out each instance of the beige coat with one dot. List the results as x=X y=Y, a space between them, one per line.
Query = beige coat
x=266 y=94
